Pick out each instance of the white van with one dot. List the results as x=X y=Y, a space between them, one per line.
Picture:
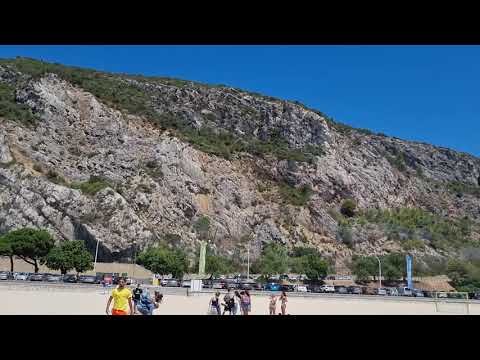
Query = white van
x=405 y=291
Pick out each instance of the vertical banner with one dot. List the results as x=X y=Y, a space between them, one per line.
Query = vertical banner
x=201 y=262
x=409 y=271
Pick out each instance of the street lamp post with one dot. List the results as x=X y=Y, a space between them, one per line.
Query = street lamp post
x=96 y=255
x=248 y=260
x=379 y=272
x=134 y=258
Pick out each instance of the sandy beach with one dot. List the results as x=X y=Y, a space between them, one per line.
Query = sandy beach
x=88 y=301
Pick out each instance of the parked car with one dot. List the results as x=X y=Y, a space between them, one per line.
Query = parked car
x=230 y=284
x=405 y=291
x=328 y=288
x=172 y=283
x=315 y=288
x=392 y=292
x=246 y=285
x=381 y=291
x=474 y=295
x=35 y=277
x=86 y=279
x=21 y=276
x=53 y=278
x=272 y=286
x=207 y=284
x=287 y=288
x=70 y=278
x=340 y=289
x=356 y=290
x=4 y=275
x=301 y=288
x=258 y=286
x=186 y=283
x=455 y=295
x=418 y=293
x=218 y=284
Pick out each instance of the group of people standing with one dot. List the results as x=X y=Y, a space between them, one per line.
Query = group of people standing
x=143 y=303
x=273 y=304
x=234 y=301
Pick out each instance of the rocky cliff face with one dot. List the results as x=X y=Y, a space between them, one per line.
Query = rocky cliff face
x=156 y=184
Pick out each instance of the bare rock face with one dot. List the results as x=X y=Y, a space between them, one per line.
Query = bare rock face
x=158 y=186
x=5 y=156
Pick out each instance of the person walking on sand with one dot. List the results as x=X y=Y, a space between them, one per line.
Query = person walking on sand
x=273 y=304
x=214 y=305
x=237 y=303
x=122 y=300
x=137 y=294
x=283 y=301
x=146 y=305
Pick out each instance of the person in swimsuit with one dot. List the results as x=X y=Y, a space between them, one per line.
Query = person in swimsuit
x=273 y=304
x=245 y=305
x=215 y=303
x=283 y=300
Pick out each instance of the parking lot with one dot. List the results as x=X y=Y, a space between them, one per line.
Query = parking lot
x=24 y=297
x=173 y=286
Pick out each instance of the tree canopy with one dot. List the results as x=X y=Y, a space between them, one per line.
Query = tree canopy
x=31 y=245
x=274 y=260
x=70 y=255
x=162 y=260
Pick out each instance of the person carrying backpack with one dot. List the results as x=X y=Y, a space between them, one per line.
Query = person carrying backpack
x=146 y=304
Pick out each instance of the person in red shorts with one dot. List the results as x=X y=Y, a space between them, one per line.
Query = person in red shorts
x=122 y=300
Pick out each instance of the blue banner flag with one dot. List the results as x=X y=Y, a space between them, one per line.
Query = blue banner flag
x=409 y=271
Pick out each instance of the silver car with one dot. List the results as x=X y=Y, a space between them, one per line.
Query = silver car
x=3 y=275
x=21 y=276
x=54 y=278
x=381 y=291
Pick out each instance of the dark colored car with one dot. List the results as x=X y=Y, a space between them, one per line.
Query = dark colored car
x=258 y=286
x=246 y=285
x=36 y=277
x=230 y=284
x=70 y=278
x=356 y=290
x=87 y=279
x=206 y=284
x=287 y=288
x=341 y=290
x=315 y=288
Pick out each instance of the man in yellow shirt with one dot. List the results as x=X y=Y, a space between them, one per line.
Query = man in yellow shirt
x=122 y=300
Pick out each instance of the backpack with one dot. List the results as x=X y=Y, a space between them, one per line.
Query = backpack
x=145 y=299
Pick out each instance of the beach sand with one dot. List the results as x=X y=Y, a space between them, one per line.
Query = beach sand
x=44 y=301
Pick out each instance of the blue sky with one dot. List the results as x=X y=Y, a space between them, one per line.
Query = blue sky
x=423 y=93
